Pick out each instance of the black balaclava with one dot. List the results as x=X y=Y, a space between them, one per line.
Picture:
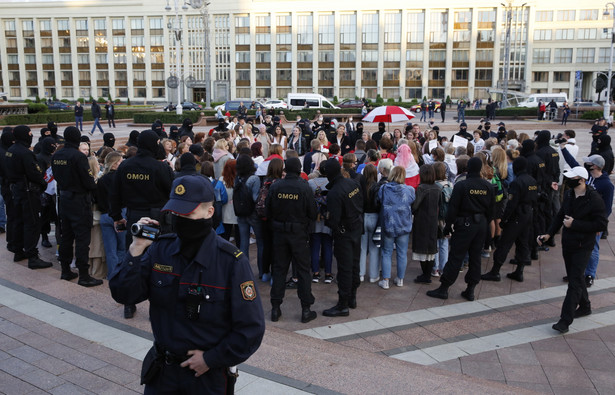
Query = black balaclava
x=187 y=124
x=542 y=139
x=519 y=165
x=84 y=139
x=48 y=145
x=133 y=138
x=8 y=138
x=23 y=135
x=332 y=169
x=527 y=147
x=604 y=142
x=474 y=167
x=44 y=133
x=197 y=149
x=53 y=128
x=174 y=133
x=148 y=141
x=109 y=139
x=72 y=136
x=293 y=166
x=463 y=127
x=186 y=161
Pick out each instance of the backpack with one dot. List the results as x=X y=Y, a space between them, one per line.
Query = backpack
x=242 y=199
x=320 y=196
x=217 y=218
x=262 y=198
x=500 y=193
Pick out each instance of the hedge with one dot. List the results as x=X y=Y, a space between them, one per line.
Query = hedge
x=41 y=118
x=511 y=111
x=592 y=114
x=166 y=117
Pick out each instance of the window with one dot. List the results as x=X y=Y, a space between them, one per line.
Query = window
x=284 y=56
x=563 y=55
x=119 y=41
x=565 y=15
x=564 y=34
x=283 y=20
x=561 y=76
x=27 y=25
x=45 y=25
x=65 y=59
x=438 y=74
x=438 y=27
x=392 y=55
x=325 y=56
x=155 y=23
x=486 y=16
x=484 y=74
x=542 y=55
x=392 y=28
x=83 y=42
x=263 y=75
x=136 y=24
x=119 y=58
x=347 y=75
x=486 y=35
x=348 y=29
x=9 y=26
x=242 y=57
x=30 y=59
x=606 y=33
x=460 y=75
x=437 y=56
x=603 y=55
x=369 y=75
x=542 y=34
x=283 y=75
x=463 y=17
x=263 y=39
x=84 y=75
x=305 y=30
x=370 y=29
x=348 y=56
x=484 y=55
x=242 y=39
x=100 y=24
x=102 y=75
x=156 y=41
x=588 y=15
x=586 y=34
x=64 y=42
x=242 y=21
x=586 y=55
x=416 y=27
x=12 y=59
x=47 y=59
x=283 y=38
x=263 y=57
x=304 y=75
x=11 y=43
x=325 y=75
x=304 y=56
x=391 y=75
x=414 y=55
x=326 y=29
x=67 y=76
x=157 y=75
x=540 y=76
x=414 y=74
x=117 y=24
x=369 y=56
x=83 y=59
x=81 y=24
x=121 y=75
x=461 y=56
x=544 y=16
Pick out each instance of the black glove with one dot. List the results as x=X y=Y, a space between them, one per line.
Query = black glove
x=503 y=224
x=447 y=230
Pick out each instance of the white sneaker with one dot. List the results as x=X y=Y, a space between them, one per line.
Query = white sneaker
x=374 y=280
x=399 y=281
x=435 y=273
x=362 y=278
x=384 y=284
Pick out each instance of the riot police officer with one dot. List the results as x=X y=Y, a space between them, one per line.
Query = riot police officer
x=48 y=197
x=6 y=140
x=552 y=173
x=290 y=207
x=75 y=187
x=469 y=211
x=205 y=310
x=345 y=207
x=537 y=169
x=517 y=218
x=26 y=184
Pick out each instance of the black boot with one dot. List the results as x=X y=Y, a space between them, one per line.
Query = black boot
x=36 y=262
x=352 y=302
x=276 y=313
x=339 y=310
x=469 y=292
x=67 y=274
x=307 y=315
x=425 y=277
x=441 y=292
x=19 y=256
x=45 y=241
x=129 y=310
x=85 y=280
x=493 y=274
x=517 y=275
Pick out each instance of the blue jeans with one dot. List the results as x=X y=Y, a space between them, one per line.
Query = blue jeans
x=442 y=255
x=367 y=245
x=321 y=243
x=461 y=116
x=423 y=115
x=401 y=245
x=2 y=213
x=97 y=123
x=244 y=224
x=592 y=265
x=79 y=122
x=113 y=242
x=430 y=113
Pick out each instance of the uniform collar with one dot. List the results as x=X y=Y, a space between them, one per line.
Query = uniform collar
x=204 y=256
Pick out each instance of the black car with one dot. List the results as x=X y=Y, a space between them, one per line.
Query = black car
x=351 y=104
x=58 y=106
x=186 y=106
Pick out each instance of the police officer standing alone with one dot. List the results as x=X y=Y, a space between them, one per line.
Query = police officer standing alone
x=345 y=206
x=75 y=187
x=583 y=215
x=290 y=208
x=26 y=184
x=142 y=184
x=469 y=211
x=205 y=311
x=516 y=220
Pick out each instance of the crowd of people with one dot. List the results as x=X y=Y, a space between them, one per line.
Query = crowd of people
x=317 y=190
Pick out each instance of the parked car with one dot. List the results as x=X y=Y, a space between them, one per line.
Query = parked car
x=276 y=104
x=417 y=107
x=351 y=104
x=233 y=105
x=596 y=106
x=186 y=106
x=58 y=106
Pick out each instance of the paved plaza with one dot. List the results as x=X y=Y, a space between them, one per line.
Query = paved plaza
x=57 y=337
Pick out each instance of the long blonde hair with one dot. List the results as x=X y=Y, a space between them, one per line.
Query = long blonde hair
x=498 y=158
x=94 y=166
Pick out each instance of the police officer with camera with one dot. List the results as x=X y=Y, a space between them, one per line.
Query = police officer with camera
x=290 y=208
x=26 y=184
x=469 y=211
x=205 y=311
x=75 y=187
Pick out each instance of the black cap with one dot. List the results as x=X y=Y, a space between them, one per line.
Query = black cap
x=187 y=193
x=197 y=149
x=72 y=135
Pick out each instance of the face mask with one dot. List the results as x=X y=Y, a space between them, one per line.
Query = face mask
x=573 y=182
x=192 y=229
x=350 y=119
x=588 y=167
x=320 y=119
x=160 y=153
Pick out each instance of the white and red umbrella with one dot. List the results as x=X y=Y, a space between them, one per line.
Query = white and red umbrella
x=388 y=114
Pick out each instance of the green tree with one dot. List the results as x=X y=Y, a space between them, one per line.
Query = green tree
x=379 y=99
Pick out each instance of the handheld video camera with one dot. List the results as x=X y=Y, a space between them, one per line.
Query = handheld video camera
x=145 y=231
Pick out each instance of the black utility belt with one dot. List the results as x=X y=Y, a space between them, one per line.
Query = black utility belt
x=170 y=358
x=472 y=218
x=71 y=194
x=288 y=226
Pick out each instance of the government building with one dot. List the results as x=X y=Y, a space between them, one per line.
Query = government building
x=127 y=49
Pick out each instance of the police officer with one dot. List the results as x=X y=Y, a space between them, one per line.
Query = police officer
x=536 y=168
x=6 y=140
x=583 y=215
x=517 y=218
x=290 y=207
x=205 y=311
x=26 y=184
x=75 y=184
x=551 y=177
x=469 y=211
x=345 y=206
x=48 y=196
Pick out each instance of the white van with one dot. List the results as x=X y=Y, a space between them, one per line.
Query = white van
x=533 y=99
x=299 y=101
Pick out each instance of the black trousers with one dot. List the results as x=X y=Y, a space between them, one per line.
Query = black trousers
x=347 y=251
x=468 y=237
x=11 y=224
x=48 y=214
x=173 y=379
x=76 y=217
x=268 y=247
x=111 y=120
x=515 y=233
x=575 y=260
x=295 y=246
x=443 y=114
x=27 y=220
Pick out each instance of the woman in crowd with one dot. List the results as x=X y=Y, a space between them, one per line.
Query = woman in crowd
x=396 y=199
x=386 y=149
x=169 y=150
x=279 y=137
x=229 y=219
x=446 y=188
x=324 y=141
x=84 y=148
x=319 y=125
x=247 y=133
x=98 y=266
x=221 y=155
x=186 y=139
x=371 y=211
x=275 y=172
x=431 y=136
x=257 y=153
x=425 y=210
x=406 y=160
x=397 y=135
x=207 y=170
x=415 y=149
x=343 y=140
x=321 y=239
x=297 y=142
x=264 y=138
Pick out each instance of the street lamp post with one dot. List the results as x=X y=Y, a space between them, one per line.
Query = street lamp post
x=509 y=9
x=202 y=6
x=178 y=38
x=607 y=104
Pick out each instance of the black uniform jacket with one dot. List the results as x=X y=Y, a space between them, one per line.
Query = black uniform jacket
x=470 y=196
x=71 y=170
x=345 y=205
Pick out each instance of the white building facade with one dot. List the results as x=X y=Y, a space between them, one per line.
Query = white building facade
x=125 y=49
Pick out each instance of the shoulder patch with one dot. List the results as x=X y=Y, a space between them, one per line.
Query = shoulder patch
x=231 y=249
x=248 y=291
